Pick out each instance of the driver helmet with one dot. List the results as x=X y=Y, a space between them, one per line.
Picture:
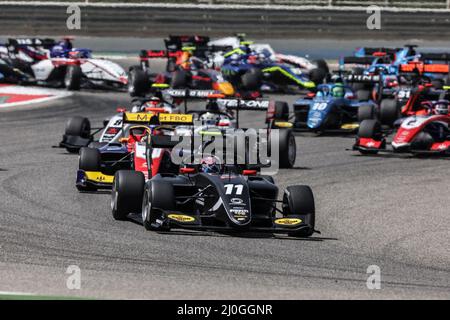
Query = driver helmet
x=210 y=164
x=338 y=91
x=209 y=118
x=441 y=107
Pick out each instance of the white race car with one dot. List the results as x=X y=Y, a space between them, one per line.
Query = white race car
x=51 y=63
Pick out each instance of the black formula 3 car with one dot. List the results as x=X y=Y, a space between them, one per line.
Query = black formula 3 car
x=231 y=198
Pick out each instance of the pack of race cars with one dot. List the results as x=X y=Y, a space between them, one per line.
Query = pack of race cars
x=161 y=157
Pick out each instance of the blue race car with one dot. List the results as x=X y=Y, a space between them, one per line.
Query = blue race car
x=333 y=107
x=256 y=70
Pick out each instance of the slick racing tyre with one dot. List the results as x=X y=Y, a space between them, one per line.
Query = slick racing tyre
x=72 y=78
x=358 y=86
x=138 y=82
x=179 y=79
x=89 y=160
x=423 y=142
x=322 y=64
x=79 y=127
x=287 y=148
x=126 y=195
x=299 y=200
x=366 y=112
x=369 y=129
x=389 y=112
x=281 y=111
x=317 y=75
x=363 y=95
x=252 y=79
x=159 y=195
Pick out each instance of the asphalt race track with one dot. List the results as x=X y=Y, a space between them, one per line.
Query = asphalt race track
x=388 y=211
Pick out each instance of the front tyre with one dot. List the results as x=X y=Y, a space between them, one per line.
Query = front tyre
x=138 y=82
x=287 y=149
x=159 y=196
x=127 y=193
x=299 y=201
x=72 y=78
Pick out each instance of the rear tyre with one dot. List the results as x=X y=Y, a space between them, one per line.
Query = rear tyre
x=77 y=126
x=322 y=64
x=159 y=195
x=317 y=75
x=138 y=82
x=127 y=193
x=252 y=79
x=366 y=112
x=281 y=111
x=299 y=200
x=287 y=149
x=72 y=78
x=363 y=95
x=358 y=86
x=389 y=112
x=179 y=79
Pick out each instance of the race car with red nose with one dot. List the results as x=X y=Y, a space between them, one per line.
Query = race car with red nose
x=98 y=165
x=418 y=134
x=78 y=132
x=415 y=101
x=188 y=66
x=213 y=196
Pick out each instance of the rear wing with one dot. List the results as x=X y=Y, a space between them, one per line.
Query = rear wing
x=240 y=104
x=373 y=50
x=177 y=42
x=358 y=60
x=158 y=119
x=420 y=68
x=360 y=78
x=189 y=93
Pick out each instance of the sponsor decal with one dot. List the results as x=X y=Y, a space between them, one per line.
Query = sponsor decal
x=350 y=126
x=288 y=221
x=283 y=124
x=251 y=104
x=182 y=93
x=137 y=117
x=98 y=177
x=236 y=201
x=239 y=212
x=181 y=218
x=175 y=118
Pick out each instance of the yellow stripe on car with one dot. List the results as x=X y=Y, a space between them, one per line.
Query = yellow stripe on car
x=97 y=176
x=288 y=221
x=181 y=217
x=306 y=84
